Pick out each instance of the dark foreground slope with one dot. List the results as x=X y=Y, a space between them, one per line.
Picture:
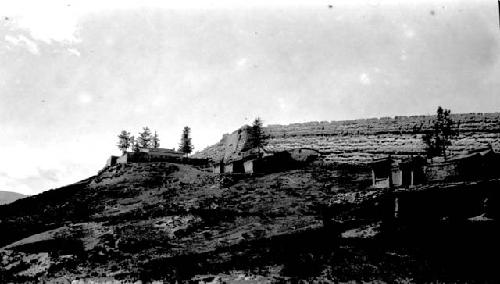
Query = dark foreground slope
x=173 y=222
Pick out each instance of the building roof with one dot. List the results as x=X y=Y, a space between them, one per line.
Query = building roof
x=160 y=150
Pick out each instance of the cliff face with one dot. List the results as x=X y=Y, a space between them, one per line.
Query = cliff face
x=229 y=146
x=365 y=139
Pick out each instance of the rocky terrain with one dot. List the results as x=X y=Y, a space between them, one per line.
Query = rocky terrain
x=366 y=139
x=9 y=196
x=165 y=221
x=173 y=222
x=322 y=222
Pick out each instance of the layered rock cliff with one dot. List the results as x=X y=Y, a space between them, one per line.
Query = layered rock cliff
x=367 y=139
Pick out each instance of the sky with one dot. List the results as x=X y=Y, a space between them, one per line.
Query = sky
x=73 y=74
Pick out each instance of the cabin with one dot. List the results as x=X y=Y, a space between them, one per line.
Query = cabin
x=381 y=173
x=406 y=173
x=151 y=155
x=278 y=161
x=218 y=168
x=473 y=165
x=234 y=166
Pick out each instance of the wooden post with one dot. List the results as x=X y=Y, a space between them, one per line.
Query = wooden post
x=373 y=177
x=396 y=207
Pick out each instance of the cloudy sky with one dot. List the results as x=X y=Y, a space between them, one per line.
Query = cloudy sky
x=72 y=76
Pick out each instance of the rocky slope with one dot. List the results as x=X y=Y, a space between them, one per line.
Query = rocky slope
x=163 y=221
x=366 y=139
x=173 y=222
x=9 y=196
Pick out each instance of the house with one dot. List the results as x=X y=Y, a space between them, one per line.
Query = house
x=468 y=166
x=218 y=168
x=381 y=173
x=388 y=173
x=276 y=162
x=263 y=161
x=151 y=155
x=408 y=172
x=234 y=166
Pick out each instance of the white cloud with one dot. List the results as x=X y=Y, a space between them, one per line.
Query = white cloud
x=241 y=63
x=74 y=51
x=408 y=32
x=365 y=79
x=403 y=55
x=23 y=41
x=84 y=98
x=48 y=22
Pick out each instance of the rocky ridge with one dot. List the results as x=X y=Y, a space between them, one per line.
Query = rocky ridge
x=367 y=139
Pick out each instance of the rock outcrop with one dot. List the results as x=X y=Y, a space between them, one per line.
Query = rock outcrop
x=367 y=139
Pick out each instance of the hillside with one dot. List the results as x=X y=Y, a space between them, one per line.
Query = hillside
x=366 y=139
x=9 y=196
x=163 y=221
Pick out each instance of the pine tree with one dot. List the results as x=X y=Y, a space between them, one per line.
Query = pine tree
x=145 y=138
x=124 y=141
x=185 y=146
x=134 y=144
x=257 y=137
x=155 y=141
x=438 y=140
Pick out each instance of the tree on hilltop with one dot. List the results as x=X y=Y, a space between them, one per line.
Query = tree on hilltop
x=134 y=144
x=439 y=138
x=124 y=141
x=155 y=140
x=185 y=146
x=145 y=138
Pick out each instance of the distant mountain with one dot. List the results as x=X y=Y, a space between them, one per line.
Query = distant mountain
x=9 y=196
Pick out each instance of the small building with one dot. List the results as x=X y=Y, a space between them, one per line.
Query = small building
x=111 y=161
x=381 y=173
x=473 y=165
x=151 y=155
x=408 y=173
x=235 y=166
x=263 y=161
x=278 y=161
x=404 y=173
x=218 y=168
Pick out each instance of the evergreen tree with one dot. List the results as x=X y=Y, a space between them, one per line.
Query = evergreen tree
x=185 y=146
x=155 y=141
x=134 y=144
x=257 y=137
x=438 y=140
x=145 y=138
x=124 y=141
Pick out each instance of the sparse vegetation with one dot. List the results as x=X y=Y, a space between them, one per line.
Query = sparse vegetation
x=144 y=140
